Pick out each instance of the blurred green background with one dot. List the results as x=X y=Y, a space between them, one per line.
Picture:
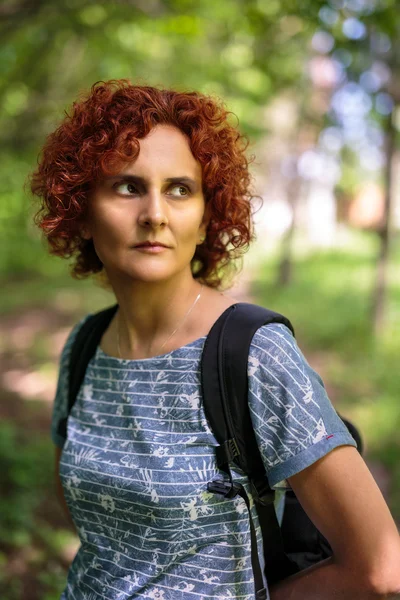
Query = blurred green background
x=316 y=86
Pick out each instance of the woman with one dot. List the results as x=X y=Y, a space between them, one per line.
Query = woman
x=150 y=189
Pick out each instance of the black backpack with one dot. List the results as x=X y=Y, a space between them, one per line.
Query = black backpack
x=297 y=543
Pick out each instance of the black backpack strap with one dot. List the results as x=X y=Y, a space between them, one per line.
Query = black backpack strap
x=228 y=345
x=225 y=390
x=83 y=348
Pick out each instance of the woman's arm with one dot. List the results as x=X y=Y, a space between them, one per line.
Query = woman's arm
x=341 y=497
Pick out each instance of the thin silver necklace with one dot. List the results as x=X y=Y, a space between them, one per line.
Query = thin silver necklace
x=170 y=336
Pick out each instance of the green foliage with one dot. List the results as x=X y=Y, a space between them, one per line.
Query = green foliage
x=26 y=469
x=246 y=53
x=21 y=246
x=26 y=476
x=54 y=53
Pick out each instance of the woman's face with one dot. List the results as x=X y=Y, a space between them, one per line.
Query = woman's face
x=158 y=197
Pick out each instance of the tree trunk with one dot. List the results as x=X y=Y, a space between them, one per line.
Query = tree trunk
x=378 y=304
x=285 y=267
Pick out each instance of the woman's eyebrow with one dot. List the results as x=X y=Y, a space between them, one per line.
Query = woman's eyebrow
x=143 y=180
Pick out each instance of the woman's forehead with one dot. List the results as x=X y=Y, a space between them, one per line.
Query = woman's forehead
x=164 y=138
x=164 y=152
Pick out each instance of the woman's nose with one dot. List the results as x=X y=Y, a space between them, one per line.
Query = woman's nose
x=154 y=209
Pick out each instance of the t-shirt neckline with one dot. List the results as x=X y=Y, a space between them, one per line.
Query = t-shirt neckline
x=100 y=353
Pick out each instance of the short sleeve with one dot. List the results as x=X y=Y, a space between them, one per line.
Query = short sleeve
x=60 y=406
x=294 y=421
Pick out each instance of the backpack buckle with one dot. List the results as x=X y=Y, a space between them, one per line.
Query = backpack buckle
x=225 y=488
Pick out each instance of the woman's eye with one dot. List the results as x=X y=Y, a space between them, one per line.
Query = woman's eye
x=129 y=186
x=182 y=187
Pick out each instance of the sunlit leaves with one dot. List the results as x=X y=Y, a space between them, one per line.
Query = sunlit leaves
x=237 y=55
x=254 y=82
x=92 y=15
x=251 y=48
x=15 y=99
x=182 y=25
x=246 y=52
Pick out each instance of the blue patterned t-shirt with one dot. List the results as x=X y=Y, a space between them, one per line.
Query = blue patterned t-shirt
x=139 y=453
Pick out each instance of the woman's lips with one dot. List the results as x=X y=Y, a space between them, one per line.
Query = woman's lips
x=151 y=249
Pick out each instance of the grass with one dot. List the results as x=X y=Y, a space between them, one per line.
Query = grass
x=58 y=289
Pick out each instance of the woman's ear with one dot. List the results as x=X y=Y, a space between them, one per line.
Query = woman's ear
x=204 y=224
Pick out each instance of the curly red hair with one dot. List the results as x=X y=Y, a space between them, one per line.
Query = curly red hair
x=101 y=135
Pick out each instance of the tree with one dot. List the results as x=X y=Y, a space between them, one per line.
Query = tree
x=365 y=42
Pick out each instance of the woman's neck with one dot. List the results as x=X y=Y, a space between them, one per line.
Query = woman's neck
x=149 y=314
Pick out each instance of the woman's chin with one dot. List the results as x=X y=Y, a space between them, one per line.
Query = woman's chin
x=147 y=275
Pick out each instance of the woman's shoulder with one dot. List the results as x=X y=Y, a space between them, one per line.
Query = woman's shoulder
x=275 y=338
x=276 y=359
